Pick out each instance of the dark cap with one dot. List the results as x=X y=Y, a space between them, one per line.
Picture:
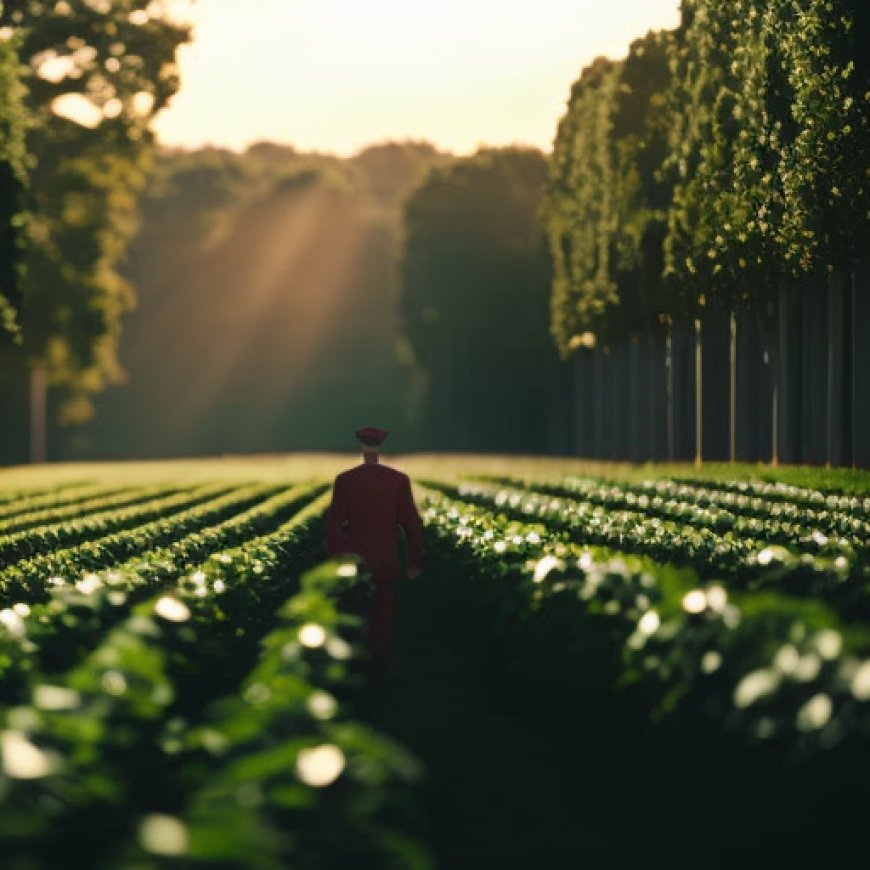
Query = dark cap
x=371 y=436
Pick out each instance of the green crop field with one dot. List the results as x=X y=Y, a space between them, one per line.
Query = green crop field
x=599 y=663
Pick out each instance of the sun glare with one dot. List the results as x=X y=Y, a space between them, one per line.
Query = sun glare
x=338 y=74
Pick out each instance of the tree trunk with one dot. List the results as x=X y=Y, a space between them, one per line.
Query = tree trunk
x=861 y=365
x=814 y=371
x=598 y=404
x=836 y=288
x=657 y=399
x=732 y=386
x=790 y=391
x=584 y=393
x=638 y=447
x=771 y=348
x=699 y=395
x=853 y=365
x=38 y=416
x=669 y=390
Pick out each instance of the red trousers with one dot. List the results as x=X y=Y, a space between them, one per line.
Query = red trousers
x=380 y=626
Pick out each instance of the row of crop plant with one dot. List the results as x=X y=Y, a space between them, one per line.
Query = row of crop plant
x=196 y=701
x=192 y=704
x=736 y=719
x=782 y=550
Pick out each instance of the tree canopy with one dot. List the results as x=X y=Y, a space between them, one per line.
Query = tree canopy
x=12 y=181
x=709 y=165
x=474 y=282
x=96 y=73
x=606 y=203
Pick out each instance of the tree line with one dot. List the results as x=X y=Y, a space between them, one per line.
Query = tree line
x=715 y=183
x=266 y=287
x=712 y=165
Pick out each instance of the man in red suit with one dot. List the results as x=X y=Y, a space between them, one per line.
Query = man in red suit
x=369 y=503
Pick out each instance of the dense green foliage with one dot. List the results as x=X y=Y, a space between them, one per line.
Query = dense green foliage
x=639 y=141
x=95 y=76
x=606 y=204
x=704 y=125
x=580 y=218
x=12 y=181
x=769 y=145
x=825 y=173
x=748 y=139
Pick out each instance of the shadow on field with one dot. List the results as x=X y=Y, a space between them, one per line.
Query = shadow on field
x=534 y=759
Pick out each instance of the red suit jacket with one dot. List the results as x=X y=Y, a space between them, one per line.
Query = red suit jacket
x=369 y=503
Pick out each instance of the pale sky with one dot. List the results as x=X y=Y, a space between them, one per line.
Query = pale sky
x=337 y=75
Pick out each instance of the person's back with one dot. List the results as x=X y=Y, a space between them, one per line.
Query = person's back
x=370 y=502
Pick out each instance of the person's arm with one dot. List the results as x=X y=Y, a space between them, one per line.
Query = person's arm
x=409 y=520
x=337 y=517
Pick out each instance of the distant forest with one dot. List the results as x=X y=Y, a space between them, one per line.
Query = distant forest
x=266 y=305
x=268 y=314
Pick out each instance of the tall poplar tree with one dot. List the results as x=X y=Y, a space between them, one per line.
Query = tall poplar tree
x=12 y=181
x=606 y=202
x=579 y=208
